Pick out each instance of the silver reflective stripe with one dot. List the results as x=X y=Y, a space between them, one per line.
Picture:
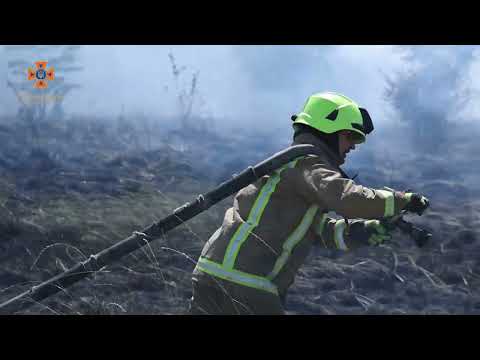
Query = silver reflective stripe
x=338 y=235
x=236 y=276
x=295 y=237
x=389 y=202
x=253 y=218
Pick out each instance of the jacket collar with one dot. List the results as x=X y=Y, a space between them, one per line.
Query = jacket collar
x=307 y=138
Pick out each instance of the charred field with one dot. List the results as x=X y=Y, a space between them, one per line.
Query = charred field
x=69 y=189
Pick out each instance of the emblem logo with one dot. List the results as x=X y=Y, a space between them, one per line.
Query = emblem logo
x=41 y=75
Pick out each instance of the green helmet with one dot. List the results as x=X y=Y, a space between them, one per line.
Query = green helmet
x=330 y=112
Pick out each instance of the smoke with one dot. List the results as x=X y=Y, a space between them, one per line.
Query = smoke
x=430 y=97
x=260 y=87
x=419 y=97
x=282 y=77
x=8 y=103
x=235 y=81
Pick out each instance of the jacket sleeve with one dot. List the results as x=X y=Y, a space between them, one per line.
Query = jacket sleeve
x=321 y=183
x=336 y=234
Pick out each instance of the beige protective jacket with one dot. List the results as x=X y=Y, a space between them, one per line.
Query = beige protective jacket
x=268 y=232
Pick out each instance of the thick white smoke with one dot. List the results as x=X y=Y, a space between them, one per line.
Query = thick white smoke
x=250 y=86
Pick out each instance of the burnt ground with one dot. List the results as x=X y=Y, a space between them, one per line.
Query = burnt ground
x=70 y=189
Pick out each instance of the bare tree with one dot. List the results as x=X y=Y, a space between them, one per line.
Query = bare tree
x=185 y=96
x=428 y=97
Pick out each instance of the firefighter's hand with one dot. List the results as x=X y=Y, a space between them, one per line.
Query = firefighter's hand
x=377 y=232
x=417 y=203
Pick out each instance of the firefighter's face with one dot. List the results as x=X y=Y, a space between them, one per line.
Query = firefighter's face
x=346 y=142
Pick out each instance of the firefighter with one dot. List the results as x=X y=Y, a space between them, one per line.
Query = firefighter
x=248 y=264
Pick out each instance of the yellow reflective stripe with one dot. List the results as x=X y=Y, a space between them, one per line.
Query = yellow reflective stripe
x=338 y=235
x=408 y=196
x=238 y=277
x=295 y=237
x=253 y=218
x=389 y=202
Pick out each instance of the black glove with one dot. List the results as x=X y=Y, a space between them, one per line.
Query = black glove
x=417 y=203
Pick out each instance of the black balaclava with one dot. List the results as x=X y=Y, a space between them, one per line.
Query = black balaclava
x=330 y=139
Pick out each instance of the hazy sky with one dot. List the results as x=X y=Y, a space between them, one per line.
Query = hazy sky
x=266 y=82
x=258 y=86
